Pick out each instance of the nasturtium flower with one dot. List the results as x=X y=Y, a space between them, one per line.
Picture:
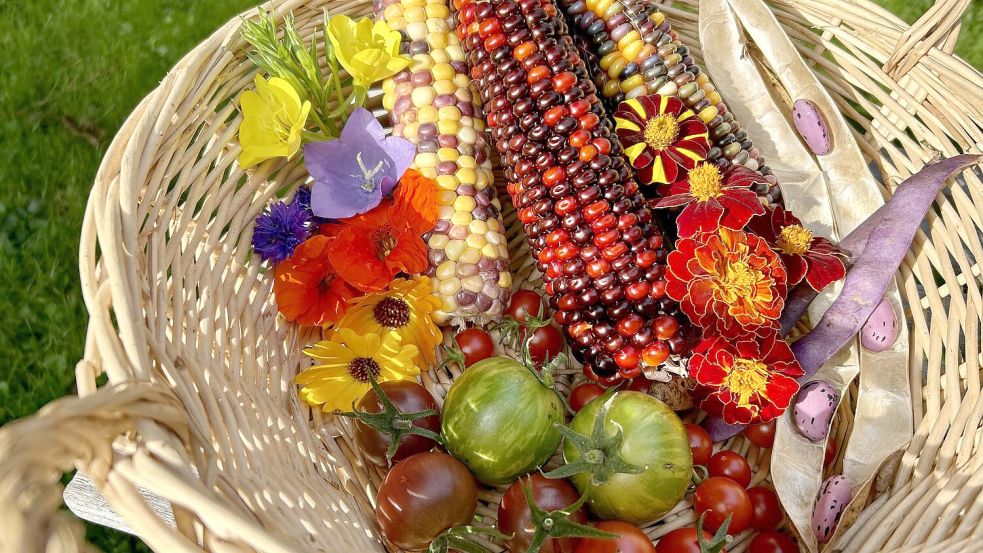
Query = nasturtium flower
x=812 y=258
x=273 y=117
x=405 y=308
x=308 y=289
x=662 y=138
x=745 y=381
x=368 y=52
x=713 y=198
x=341 y=375
x=727 y=282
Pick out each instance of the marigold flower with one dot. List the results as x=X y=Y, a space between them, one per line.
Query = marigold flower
x=307 y=288
x=809 y=257
x=406 y=308
x=273 y=117
x=747 y=381
x=661 y=137
x=728 y=282
x=713 y=199
x=368 y=52
x=341 y=376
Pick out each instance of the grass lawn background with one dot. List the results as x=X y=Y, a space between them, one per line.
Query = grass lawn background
x=71 y=73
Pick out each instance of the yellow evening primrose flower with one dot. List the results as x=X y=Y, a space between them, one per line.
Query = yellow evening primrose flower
x=273 y=117
x=405 y=308
x=368 y=52
x=340 y=376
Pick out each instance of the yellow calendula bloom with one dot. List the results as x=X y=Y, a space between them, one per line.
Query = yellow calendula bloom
x=368 y=52
x=273 y=117
x=344 y=363
x=406 y=308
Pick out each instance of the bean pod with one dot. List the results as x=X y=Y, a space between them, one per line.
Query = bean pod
x=600 y=251
x=431 y=105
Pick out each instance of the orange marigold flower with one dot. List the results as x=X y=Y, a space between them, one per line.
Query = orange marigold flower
x=747 y=381
x=728 y=282
x=662 y=138
x=812 y=258
x=368 y=250
x=307 y=288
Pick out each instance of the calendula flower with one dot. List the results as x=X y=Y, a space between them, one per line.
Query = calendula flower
x=662 y=138
x=368 y=52
x=353 y=174
x=745 y=381
x=273 y=117
x=728 y=282
x=405 y=308
x=341 y=374
x=712 y=199
x=813 y=258
x=283 y=227
x=370 y=249
x=307 y=288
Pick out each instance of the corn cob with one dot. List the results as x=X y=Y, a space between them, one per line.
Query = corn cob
x=600 y=251
x=431 y=105
x=637 y=53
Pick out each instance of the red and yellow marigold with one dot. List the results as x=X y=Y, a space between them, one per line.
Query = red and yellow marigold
x=662 y=138
x=806 y=257
x=712 y=198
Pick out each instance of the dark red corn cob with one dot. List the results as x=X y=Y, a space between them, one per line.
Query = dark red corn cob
x=600 y=251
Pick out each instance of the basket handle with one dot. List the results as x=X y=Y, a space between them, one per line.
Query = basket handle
x=938 y=27
x=67 y=433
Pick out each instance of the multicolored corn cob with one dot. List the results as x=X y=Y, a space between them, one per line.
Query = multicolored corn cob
x=431 y=105
x=600 y=251
x=637 y=53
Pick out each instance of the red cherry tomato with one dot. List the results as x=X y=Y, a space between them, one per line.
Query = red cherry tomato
x=730 y=465
x=766 y=510
x=682 y=540
x=515 y=517
x=546 y=343
x=632 y=540
x=583 y=394
x=700 y=443
x=523 y=304
x=718 y=497
x=761 y=435
x=476 y=345
x=830 y=455
x=773 y=542
x=640 y=384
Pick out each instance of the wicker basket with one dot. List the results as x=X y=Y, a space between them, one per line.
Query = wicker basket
x=201 y=409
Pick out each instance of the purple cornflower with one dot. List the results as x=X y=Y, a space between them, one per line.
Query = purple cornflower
x=283 y=227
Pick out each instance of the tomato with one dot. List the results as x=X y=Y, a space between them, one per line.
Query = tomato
x=653 y=437
x=699 y=443
x=545 y=343
x=475 y=344
x=515 y=517
x=682 y=540
x=719 y=498
x=498 y=420
x=640 y=384
x=730 y=465
x=830 y=456
x=423 y=496
x=631 y=540
x=773 y=542
x=766 y=510
x=583 y=394
x=761 y=435
x=523 y=304
x=409 y=397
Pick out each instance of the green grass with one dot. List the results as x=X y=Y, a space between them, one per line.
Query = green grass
x=70 y=73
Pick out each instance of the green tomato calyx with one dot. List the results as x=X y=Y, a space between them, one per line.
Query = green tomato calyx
x=719 y=540
x=461 y=538
x=557 y=524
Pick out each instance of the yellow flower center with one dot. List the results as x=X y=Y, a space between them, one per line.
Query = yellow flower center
x=794 y=240
x=738 y=282
x=661 y=131
x=361 y=367
x=746 y=378
x=392 y=313
x=705 y=182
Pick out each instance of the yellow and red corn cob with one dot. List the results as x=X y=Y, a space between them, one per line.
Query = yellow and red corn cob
x=638 y=53
x=431 y=105
x=600 y=251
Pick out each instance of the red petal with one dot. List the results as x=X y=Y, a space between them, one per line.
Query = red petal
x=823 y=270
x=675 y=200
x=795 y=267
x=644 y=159
x=699 y=217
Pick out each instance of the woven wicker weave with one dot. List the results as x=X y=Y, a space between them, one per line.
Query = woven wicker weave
x=201 y=408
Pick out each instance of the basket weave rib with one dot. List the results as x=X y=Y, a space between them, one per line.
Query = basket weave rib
x=201 y=408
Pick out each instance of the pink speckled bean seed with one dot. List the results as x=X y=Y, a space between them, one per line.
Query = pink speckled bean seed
x=814 y=408
x=834 y=495
x=812 y=126
x=881 y=329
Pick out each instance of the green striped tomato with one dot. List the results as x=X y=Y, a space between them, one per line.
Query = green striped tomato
x=653 y=438
x=498 y=420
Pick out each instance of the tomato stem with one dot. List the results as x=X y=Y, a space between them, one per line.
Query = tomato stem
x=719 y=540
x=557 y=524
x=452 y=354
x=461 y=538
